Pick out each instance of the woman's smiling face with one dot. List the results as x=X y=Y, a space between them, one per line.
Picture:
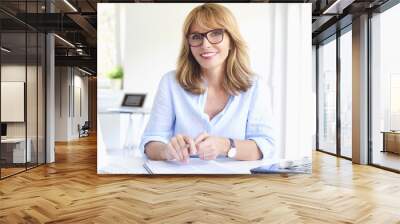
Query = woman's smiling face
x=208 y=55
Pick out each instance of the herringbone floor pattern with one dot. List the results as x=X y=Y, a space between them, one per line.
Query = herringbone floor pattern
x=70 y=191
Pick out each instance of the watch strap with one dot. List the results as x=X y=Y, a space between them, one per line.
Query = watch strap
x=232 y=143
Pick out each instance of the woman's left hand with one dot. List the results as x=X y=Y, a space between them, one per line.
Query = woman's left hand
x=209 y=147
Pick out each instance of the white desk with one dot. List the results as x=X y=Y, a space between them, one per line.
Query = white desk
x=19 y=155
x=122 y=161
x=125 y=161
x=112 y=159
x=114 y=124
x=133 y=110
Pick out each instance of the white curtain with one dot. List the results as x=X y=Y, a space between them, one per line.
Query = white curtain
x=290 y=78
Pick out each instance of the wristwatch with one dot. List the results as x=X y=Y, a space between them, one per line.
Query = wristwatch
x=232 y=151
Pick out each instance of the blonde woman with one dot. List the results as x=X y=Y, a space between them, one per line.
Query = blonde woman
x=212 y=105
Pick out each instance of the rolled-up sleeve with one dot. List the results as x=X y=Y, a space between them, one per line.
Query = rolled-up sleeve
x=160 y=125
x=260 y=122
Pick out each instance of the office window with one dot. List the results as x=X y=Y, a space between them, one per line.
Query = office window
x=327 y=96
x=346 y=94
x=112 y=49
x=385 y=85
x=395 y=101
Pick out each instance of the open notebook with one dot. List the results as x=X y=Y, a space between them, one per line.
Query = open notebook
x=198 y=166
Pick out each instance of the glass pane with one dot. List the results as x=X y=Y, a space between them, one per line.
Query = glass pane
x=107 y=44
x=41 y=98
x=13 y=87
x=346 y=94
x=31 y=97
x=327 y=97
x=31 y=84
x=386 y=89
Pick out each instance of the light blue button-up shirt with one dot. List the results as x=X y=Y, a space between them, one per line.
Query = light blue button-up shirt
x=177 y=111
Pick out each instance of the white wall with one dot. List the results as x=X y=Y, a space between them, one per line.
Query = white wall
x=67 y=115
x=61 y=103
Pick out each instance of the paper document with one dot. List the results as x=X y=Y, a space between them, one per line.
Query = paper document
x=198 y=166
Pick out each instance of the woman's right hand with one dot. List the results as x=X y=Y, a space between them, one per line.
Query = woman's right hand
x=179 y=148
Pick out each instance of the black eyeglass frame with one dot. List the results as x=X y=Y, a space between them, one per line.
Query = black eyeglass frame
x=204 y=35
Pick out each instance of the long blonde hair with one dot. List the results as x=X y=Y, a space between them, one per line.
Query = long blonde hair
x=238 y=73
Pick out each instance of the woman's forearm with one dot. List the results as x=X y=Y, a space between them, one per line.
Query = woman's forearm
x=155 y=150
x=247 y=150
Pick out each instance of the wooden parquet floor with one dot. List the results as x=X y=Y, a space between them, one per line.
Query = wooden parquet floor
x=70 y=191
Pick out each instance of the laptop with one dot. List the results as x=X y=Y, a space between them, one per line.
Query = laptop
x=132 y=102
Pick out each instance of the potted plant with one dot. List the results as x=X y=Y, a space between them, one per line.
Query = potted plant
x=116 y=76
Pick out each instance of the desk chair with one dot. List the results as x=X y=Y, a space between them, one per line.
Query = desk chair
x=84 y=130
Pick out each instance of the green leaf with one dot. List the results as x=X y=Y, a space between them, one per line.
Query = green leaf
x=116 y=73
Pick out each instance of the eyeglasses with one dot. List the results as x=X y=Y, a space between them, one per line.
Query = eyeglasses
x=213 y=36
